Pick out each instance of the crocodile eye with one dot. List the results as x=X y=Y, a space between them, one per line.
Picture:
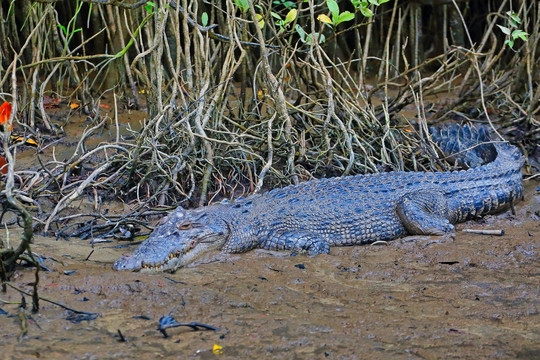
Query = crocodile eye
x=185 y=226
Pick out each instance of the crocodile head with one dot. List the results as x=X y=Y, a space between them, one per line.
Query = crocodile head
x=180 y=239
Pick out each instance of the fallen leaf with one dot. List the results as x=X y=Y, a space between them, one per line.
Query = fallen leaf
x=217 y=349
x=19 y=139
x=74 y=106
x=31 y=142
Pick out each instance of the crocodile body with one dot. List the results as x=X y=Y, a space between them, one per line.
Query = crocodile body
x=313 y=216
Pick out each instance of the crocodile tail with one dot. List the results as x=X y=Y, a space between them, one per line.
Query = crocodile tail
x=469 y=146
x=509 y=154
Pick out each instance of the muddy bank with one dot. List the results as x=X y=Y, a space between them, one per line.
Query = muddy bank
x=476 y=297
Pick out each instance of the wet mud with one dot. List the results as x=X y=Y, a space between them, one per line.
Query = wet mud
x=419 y=298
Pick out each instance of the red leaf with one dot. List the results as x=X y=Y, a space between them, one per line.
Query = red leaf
x=5 y=112
x=2 y=163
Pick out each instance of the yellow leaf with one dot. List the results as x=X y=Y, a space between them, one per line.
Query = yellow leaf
x=217 y=349
x=260 y=20
x=31 y=142
x=325 y=19
x=291 y=16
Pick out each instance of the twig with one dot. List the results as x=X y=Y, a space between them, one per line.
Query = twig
x=484 y=232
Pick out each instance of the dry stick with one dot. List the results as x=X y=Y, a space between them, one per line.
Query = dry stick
x=365 y=50
x=530 y=55
x=51 y=301
x=484 y=232
x=35 y=79
x=209 y=151
x=386 y=75
x=331 y=114
x=329 y=94
x=277 y=94
x=225 y=77
x=178 y=66
x=480 y=47
x=397 y=53
x=41 y=106
x=198 y=118
x=16 y=56
x=477 y=67
x=127 y=68
x=270 y=156
x=187 y=47
x=28 y=233
x=157 y=55
x=65 y=201
x=174 y=84
x=118 y=3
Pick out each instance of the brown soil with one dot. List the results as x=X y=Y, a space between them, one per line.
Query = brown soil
x=475 y=297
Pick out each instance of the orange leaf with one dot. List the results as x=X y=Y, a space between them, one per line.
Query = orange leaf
x=104 y=106
x=5 y=112
x=73 y=106
x=31 y=142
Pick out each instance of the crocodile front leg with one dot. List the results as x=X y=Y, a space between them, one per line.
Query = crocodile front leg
x=425 y=212
x=297 y=241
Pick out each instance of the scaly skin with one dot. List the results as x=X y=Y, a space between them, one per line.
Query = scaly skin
x=316 y=215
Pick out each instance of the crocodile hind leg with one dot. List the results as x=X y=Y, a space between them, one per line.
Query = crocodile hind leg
x=297 y=241
x=425 y=212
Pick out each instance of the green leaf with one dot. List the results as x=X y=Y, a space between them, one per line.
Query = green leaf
x=366 y=12
x=243 y=5
x=383 y=1
x=275 y=15
x=374 y=2
x=504 y=29
x=514 y=16
x=63 y=29
x=301 y=32
x=333 y=7
x=289 y=4
x=345 y=16
x=204 y=19
x=510 y=43
x=150 y=7
x=519 y=34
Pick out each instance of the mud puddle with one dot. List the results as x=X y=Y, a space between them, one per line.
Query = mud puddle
x=476 y=297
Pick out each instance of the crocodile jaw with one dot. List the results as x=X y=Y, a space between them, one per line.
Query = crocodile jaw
x=172 y=245
x=168 y=261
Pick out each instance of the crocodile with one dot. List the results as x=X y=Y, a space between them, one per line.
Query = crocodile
x=316 y=215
